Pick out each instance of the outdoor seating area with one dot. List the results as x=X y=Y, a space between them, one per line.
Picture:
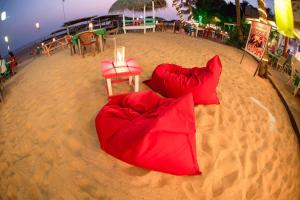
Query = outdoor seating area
x=209 y=32
x=284 y=59
x=291 y=71
x=93 y=39
x=74 y=100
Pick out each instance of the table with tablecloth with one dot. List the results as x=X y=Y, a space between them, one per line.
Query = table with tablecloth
x=99 y=32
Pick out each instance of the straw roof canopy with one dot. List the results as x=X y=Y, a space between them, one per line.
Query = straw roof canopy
x=59 y=31
x=107 y=17
x=76 y=21
x=136 y=5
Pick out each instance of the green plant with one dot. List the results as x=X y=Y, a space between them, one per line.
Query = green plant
x=234 y=36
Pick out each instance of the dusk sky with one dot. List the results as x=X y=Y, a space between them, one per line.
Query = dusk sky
x=22 y=15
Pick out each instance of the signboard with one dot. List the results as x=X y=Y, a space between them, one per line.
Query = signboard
x=258 y=39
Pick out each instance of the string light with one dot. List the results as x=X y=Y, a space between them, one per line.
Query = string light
x=6 y=39
x=91 y=26
x=37 y=25
x=3 y=16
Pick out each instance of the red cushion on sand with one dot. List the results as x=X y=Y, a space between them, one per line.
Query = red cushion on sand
x=174 y=81
x=148 y=131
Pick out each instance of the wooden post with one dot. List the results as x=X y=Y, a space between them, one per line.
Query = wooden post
x=136 y=83
x=144 y=18
x=109 y=87
x=153 y=15
x=263 y=66
x=115 y=49
x=133 y=16
x=153 y=11
x=257 y=68
x=79 y=47
x=124 y=24
x=243 y=56
x=286 y=44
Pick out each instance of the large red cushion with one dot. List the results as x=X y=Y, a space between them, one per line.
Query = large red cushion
x=148 y=131
x=174 y=81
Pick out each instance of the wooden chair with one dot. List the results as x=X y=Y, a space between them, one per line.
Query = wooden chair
x=161 y=26
x=113 y=31
x=177 y=27
x=280 y=63
x=87 y=39
x=1 y=94
x=1 y=89
x=296 y=90
x=295 y=65
x=70 y=44
x=199 y=31
x=49 y=47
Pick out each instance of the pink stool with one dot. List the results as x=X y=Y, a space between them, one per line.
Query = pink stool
x=110 y=71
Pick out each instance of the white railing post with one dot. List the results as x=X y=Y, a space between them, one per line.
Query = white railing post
x=153 y=11
x=144 y=18
x=153 y=15
x=124 y=24
x=133 y=16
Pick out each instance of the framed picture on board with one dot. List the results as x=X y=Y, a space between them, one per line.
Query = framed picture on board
x=258 y=39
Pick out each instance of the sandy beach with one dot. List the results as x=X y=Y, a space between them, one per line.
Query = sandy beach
x=246 y=147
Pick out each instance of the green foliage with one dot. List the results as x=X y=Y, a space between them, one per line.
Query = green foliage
x=214 y=8
x=234 y=35
x=274 y=35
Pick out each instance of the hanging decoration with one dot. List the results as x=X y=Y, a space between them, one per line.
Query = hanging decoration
x=188 y=9
x=284 y=17
x=178 y=9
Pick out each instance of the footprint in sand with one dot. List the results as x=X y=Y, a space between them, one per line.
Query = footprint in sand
x=135 y=171
x=276 y=194
x=74 y=145
x=211 y=110
x=217 y=188
x=251 y=164
x=150 y=179
x=191 y=192
x=251 y=192
x=268 y=167
x=89 y=189
x=230 y=178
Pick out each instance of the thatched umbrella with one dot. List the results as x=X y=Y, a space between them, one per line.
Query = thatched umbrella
x=136 y=5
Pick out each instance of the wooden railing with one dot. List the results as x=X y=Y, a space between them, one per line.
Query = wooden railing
x=53 y=45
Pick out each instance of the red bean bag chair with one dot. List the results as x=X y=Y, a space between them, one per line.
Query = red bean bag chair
x=174 y=81
x=148 y=131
